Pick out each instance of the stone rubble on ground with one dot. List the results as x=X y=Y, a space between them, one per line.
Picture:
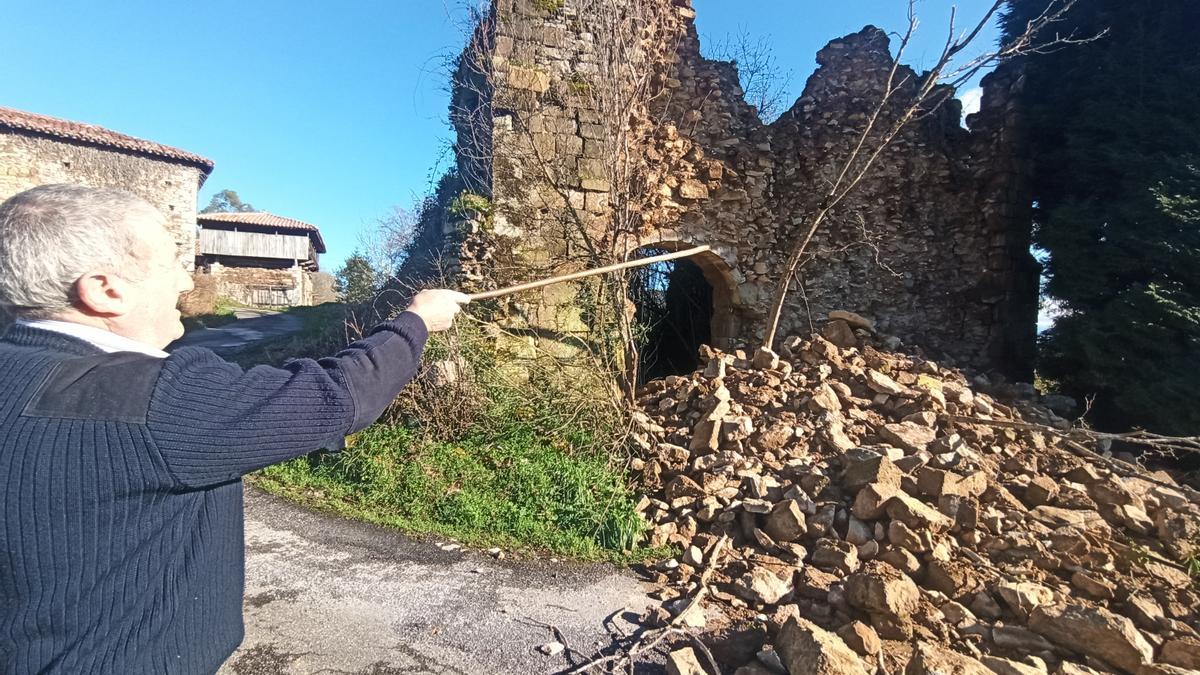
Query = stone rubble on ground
x=684 y=662
x=878 y=534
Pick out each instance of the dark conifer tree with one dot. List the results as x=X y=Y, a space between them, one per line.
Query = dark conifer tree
x=355 y=283
x=1115 y=127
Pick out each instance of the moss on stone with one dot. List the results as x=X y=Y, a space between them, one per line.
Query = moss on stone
x=549 y=6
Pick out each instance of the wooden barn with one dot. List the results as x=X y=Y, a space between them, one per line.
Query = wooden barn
x=259 y=258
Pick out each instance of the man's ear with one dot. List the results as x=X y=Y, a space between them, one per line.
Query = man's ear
x=102 y=294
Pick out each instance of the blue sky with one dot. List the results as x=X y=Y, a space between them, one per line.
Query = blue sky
x=331 y=113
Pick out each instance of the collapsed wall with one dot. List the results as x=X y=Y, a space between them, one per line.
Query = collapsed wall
x=933 y=244
x=878 y=512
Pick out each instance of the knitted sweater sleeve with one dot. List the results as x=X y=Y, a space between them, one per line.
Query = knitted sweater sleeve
x=212 y=422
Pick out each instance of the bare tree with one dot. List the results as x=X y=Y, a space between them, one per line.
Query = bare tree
x=629 y=48
x=926 y=94
x=386 y=241
x=764 y=82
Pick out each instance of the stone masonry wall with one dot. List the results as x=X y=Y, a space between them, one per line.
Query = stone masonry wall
x=238 y=282
x=29 y=160
x=931 y=245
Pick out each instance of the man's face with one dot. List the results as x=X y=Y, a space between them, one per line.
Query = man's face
x=153 y=318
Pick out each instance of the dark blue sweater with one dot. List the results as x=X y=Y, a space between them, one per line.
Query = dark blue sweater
x=122 y=545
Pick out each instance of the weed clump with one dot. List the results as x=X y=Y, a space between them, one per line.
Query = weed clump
x=218 y=312
x=549 y=6
x=467 y=203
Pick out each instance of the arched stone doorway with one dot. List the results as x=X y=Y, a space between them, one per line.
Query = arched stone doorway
x=680 y=305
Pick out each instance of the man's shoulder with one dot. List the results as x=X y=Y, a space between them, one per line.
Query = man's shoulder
x=112 y=387
x=118 y=386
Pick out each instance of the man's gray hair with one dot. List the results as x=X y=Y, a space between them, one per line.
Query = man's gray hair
x=52 y=235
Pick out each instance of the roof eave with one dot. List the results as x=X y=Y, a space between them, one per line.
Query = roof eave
x=204 y=164
x=319 y=242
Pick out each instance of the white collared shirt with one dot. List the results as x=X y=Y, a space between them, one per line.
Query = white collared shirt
x=99 y=338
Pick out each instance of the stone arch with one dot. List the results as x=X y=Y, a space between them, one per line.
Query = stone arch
x=721 y=295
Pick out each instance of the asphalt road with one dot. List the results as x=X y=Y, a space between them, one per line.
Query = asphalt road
x=252 y=325
x=327 y=595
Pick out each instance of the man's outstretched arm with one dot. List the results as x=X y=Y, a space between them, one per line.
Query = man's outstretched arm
x=213 y=422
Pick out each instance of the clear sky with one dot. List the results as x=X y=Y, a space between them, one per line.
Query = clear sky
x=327 y=112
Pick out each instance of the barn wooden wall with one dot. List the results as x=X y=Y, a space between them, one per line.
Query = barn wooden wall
x=254 y=244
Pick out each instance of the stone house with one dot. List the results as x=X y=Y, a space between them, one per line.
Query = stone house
x=40 y=150
x=259 y=258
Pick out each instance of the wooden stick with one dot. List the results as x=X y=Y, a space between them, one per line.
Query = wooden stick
x=589 y=273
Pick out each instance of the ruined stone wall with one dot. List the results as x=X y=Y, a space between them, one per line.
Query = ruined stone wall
x=533 y=138
x=30 y=160
x=933 y=245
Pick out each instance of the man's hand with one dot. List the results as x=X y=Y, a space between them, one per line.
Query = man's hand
x=437 y=307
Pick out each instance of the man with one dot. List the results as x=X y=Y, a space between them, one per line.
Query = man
x=120 y=465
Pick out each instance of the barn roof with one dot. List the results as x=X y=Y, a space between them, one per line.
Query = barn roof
x=263 y=219
x=99 y=136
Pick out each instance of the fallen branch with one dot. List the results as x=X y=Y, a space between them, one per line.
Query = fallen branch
x=654 y=638
x=1137 y=551
x=1145 y=438
x=703 y=649
x=558 y=635
x=1071 y=439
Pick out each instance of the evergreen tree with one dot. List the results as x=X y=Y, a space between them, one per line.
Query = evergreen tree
x=1115 y=128
x=227 y=201
x=356 y=280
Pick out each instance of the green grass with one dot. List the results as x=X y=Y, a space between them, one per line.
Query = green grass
x=222 y=314
x=579 y=84
x=508 y=466
x=512 y=492
x=322 y=333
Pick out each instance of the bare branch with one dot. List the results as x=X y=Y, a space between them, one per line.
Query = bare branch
x=764 y=83
x=931 y=92
x=652 y=639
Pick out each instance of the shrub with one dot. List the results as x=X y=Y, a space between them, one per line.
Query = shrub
x=220 y=312
x=323 y=332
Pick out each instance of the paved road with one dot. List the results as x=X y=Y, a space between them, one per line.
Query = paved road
x=326 y=595
x=252 y=325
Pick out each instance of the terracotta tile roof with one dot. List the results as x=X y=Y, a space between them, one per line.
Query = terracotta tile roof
x=94 y=135
x=264 y=219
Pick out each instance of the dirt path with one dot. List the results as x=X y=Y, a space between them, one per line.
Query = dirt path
x=252 y=325
x=327 y=595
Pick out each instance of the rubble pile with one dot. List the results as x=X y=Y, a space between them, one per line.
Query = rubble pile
x=871 y=528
